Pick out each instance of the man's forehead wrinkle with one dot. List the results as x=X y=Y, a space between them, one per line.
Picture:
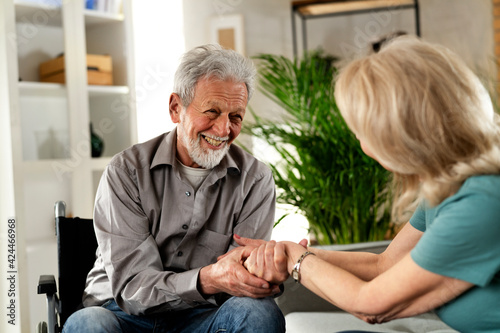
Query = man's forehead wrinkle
x=216 y=103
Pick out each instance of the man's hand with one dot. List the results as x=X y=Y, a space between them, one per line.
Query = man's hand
x=242 y=241
x=228 y=275
x=268 y=260
x=247 y=242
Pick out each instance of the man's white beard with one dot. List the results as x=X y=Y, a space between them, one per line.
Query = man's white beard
x=206 y=158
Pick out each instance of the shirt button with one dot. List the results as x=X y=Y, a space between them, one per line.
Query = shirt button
x=184 y=226
x=188 y=193
x=179 y=254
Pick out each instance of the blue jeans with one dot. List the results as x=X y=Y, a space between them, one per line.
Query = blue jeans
x=238 y=314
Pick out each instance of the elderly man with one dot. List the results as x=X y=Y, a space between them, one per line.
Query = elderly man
x=166 y=210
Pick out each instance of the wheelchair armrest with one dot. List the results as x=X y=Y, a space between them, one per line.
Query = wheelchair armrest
x=47 y=285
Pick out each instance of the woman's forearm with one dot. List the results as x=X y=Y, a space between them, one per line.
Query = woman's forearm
x=367 y=266
x=331 y=282
x=364 y=265
x=403 y=290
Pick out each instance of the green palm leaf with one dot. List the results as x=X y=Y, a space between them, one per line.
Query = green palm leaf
x=323 y=171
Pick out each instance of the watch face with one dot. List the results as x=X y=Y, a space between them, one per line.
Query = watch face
x=295 y=275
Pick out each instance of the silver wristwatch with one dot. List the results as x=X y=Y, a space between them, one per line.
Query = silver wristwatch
x=296 y=268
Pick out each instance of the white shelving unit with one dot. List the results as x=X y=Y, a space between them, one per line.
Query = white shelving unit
x=49 y=155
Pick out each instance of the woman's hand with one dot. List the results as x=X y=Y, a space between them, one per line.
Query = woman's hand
x=269 y=260
x=228 y=275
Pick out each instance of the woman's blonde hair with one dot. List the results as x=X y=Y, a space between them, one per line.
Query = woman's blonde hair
x=424 y=115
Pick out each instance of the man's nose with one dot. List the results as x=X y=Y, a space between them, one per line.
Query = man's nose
x=221 y=126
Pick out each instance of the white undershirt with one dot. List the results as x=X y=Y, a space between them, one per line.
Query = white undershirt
x=195 y=176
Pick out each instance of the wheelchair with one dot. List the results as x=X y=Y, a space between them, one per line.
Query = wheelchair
x=76 y=254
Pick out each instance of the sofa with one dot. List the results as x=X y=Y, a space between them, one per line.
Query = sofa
x=306 y=312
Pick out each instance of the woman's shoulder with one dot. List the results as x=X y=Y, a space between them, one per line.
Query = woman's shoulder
x=478 y=199
x=482 y=184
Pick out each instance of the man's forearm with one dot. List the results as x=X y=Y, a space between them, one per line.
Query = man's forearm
x=205 y=285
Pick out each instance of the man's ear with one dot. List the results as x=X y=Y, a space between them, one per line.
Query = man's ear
x=175 y=108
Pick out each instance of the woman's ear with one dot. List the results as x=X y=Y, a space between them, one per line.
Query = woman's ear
x=175 y=108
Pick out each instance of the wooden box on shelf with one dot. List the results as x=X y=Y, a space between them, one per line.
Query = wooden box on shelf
x=99 y=70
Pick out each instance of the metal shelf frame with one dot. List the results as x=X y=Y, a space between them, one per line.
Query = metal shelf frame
x=310 y=9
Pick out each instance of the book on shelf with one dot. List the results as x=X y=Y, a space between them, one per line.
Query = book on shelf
x=43 y=3
x=104 y=6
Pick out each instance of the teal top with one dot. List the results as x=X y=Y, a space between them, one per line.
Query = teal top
x=462 y=240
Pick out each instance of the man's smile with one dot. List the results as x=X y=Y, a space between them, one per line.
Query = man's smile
x=216 y=142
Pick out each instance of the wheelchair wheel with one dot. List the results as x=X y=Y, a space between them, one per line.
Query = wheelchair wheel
x=42 y=327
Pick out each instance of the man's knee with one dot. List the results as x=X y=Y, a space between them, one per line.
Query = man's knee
x=258 y=313
x=92 y=319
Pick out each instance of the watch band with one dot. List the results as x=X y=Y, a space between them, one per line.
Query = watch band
x=296 y=268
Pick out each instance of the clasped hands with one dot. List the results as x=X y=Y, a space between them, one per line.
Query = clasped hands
x=266 y=260
x=254 y=269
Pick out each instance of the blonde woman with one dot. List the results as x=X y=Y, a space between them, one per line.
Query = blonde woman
x=422 y=114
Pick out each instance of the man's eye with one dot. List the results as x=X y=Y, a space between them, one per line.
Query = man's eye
x=212 y=113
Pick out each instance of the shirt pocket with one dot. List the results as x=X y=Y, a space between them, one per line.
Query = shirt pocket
x=210 y=245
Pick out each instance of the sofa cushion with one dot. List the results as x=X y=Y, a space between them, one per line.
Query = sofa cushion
x=321 y=322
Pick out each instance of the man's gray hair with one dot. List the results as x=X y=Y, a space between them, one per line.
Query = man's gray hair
x=212 y=61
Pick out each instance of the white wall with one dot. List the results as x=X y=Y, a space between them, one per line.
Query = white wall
x=159 y=42
x=465 y=26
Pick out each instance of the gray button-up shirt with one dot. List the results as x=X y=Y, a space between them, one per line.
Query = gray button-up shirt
x=155 y=232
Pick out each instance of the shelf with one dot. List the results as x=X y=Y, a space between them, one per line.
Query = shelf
x=59 y=89
x=107 y=90
x=38 y=13
x=337 y=8
x=44 y=14
x=93 y=17
x=49 y=165
x=44 y=166
x=42 y=89
x=312 y=9
x=49 y=147
x=52 y=165
x=99 y=163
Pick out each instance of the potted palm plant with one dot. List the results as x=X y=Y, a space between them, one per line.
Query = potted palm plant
x=322 y=172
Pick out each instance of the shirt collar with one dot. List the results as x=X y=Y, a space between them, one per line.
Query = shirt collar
x=166 y=154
